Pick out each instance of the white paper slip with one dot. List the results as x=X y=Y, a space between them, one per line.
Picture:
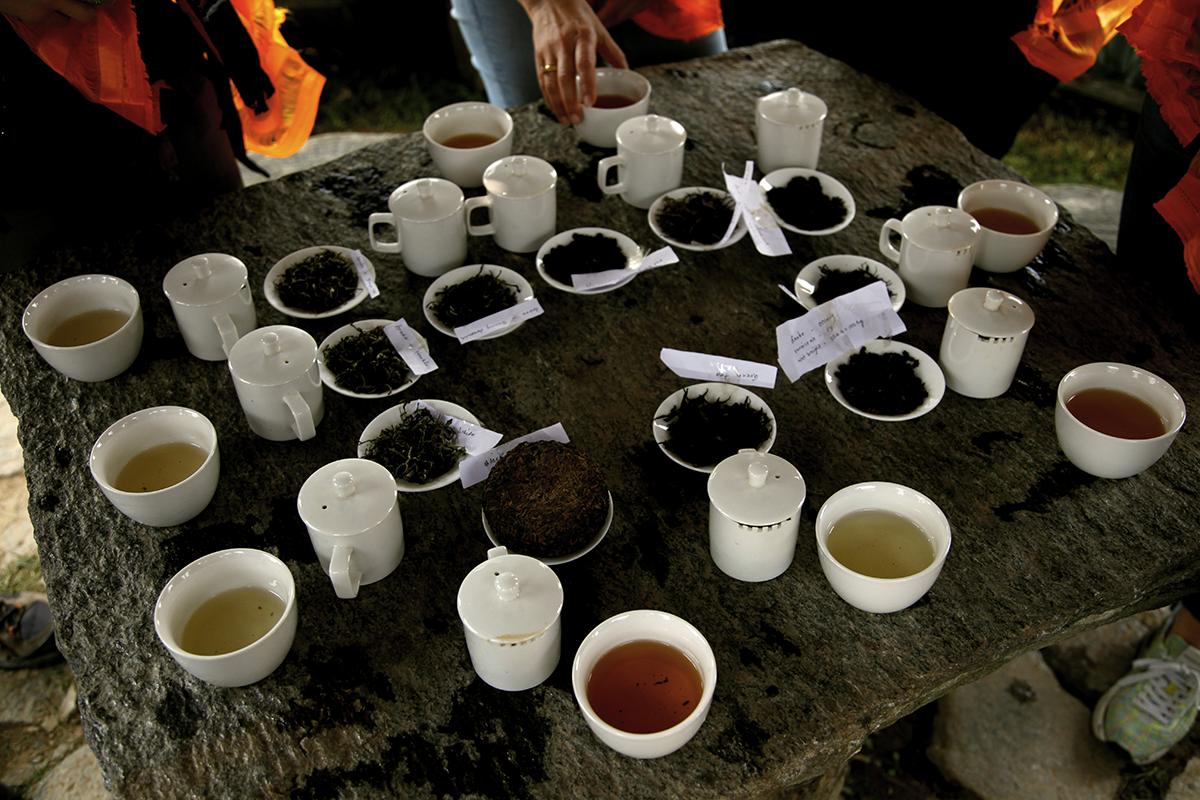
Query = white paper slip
x=475 y=469
x=844 y=323
x=409 y=346
x=590 y=281
x=492 y=323
x=472 y=438
x=751 y=205
x=704 y=367
x=360 y=265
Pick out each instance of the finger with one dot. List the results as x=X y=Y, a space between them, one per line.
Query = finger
x=610 y=51
x=585 y=67
x=548 y=81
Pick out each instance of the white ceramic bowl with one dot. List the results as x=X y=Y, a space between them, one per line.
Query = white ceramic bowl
x=137 y=432
x=1009 y=252
x=814 y=270
x=209 y=576
x=1107 y=456
x=392 y=417
x=98 y=360
x=927 y=370
x=552 y=560
x=634 y=626
x=717 y=392
x=882 y=595
x=282 y=265
x=348 y=330
x=633 y=255
x=456 y=276
x=739 y=230
x=831 y=186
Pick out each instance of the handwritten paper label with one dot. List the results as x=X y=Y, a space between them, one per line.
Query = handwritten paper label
x=591 y=281
x=472 y=438
x=409 y=346
x=751 y=205
x=499 y=321
x=844 y=323
x=716 y=368
x=475 y=469
x=364 y=272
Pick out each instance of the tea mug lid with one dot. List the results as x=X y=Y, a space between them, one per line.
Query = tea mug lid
x=272 y=355
x=352 y=495
x=427 y=200
x=519 y=176
x=204 y=279
x=992 y=313
x=509 y=598
x=940 y=228
x=651 y=134
x=792 y=107
x=757 y=489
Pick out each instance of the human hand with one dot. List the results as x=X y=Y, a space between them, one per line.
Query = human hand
x=567 y=35
x=48 y=13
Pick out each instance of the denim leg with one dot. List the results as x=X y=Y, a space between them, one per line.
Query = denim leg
x=500 y=37
x=643 y=49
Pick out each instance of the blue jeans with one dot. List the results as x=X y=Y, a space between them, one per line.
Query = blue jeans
x=500 y=37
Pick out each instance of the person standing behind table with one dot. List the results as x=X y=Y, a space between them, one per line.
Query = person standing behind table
x=526 y=48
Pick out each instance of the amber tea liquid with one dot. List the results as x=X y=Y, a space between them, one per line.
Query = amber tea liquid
x=159 y=467
x=644 y=686
x=880 y=544
x=231 y=620
x=465 y=141
x=613 y=101
x=88 y=327
x=1002 y=220
x=1116 y=413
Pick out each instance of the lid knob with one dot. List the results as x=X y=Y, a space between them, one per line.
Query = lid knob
x=794 y=97
x=425 y=189
x=507 y=586
x=343 y=484
x=520 y=167
x=993 y=299
x=758 y=474
x=201 y=267
x=652 y=123
x=941 y=217
x=270 y=343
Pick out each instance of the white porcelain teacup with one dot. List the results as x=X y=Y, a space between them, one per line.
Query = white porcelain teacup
x=789 y=125
x=431 y=226
x=463 y=138
x=649 y=160
x=278 y=382
x=158 y=466
x=883 y=595
x=1003 y=247
x=88 y=327
x=620 y=95
x=229 y=586
x=645 y=626
x=937 y=250
x=520 y=203
x=212 y=302
x=1115 y=454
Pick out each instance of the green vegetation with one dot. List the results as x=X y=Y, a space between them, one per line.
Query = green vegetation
x=22 y=574
x=1053 y=147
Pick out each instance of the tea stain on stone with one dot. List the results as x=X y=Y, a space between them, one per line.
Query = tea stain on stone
x=363 y=189
x=1062 y=480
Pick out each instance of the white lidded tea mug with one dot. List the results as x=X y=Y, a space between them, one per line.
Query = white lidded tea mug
x=754 y=515
x=649 y=160
x=431 y=226
x=88 y=327
x=278 y=382
x=353 y=519
x=985 y=335
x=937 y=250
x=210 y=297
x=790 y=124
x=511 y=612
x=521 y=203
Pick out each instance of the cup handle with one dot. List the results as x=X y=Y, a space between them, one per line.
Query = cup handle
x=344 y=572
x=885 y=239
x=480 y=202
x=602 y=170
x=304 y=426
x=228 y=332
x=383 y=219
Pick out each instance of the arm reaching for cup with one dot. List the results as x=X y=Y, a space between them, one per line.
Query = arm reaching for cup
x=48 y=13
x=567 y=36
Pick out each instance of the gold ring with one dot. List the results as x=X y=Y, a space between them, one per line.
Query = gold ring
x=549 y=68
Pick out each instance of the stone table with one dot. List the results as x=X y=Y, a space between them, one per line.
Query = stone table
x=377 y=697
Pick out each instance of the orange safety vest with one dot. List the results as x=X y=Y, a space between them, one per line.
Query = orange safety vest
x=1066 y=35
x=681 y=20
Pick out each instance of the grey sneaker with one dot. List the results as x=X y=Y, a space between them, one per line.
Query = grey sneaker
x=26 y=631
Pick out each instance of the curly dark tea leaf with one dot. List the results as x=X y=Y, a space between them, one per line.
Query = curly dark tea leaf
x=882 y=383
x=835 y=282
x=418 y=448
x=366 y=362
x=802 y=203
x=478 y=296
x=584 y=254
x=319 y=283
x=705 y=432
x=699 y=218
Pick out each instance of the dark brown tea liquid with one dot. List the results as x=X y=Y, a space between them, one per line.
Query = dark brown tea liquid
x=644 y=687
x=1116 y=414
x=613 y=101
x=1002 y=220
x=465 y=141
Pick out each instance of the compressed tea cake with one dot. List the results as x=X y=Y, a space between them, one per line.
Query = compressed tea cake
x=545 y=499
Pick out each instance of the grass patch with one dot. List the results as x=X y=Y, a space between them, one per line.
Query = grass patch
x=365 y=104
x=1053 y=147
x=22 y=574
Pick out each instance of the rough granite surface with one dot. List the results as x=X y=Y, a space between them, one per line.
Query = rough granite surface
x=377 y=697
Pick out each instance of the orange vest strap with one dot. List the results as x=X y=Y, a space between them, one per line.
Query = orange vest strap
x=682 y=20
x=1066 y=35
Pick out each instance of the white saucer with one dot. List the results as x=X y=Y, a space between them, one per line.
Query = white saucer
x=349 y=330
x=831 y=186
x=455 y=276
x=551 y=561
x=848 y=263
x=281 y=266
x=633 y=255
x=392 y=417
x=927 y=370
x=739 y=230
x=717 y=392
